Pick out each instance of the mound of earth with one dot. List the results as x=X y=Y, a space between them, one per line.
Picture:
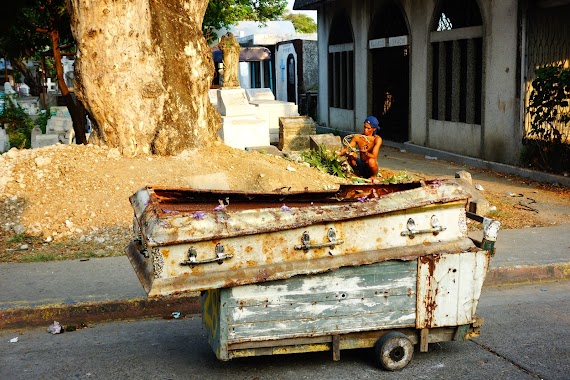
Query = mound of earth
x=72 y=201
x=69 y=198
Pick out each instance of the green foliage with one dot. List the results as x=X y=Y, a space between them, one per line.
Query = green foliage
x=401 y=177
x=550 y=115
x=223 y=13
x=19 y=125
x=301 y=22
x=324 y=160
x=21 y=23
x=18 y=238
x=41 y=120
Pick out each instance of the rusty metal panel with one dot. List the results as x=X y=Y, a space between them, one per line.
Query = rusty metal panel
x=156 y=283
x=178 y=248
x=369 y=297
x=167 y=217
x=449 y=287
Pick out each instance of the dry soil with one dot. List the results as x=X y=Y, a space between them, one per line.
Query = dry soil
x=70 y=201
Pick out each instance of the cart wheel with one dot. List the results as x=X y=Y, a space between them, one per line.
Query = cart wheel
x=394 y=351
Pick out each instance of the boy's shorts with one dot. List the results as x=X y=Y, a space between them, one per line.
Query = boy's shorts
x=363 y=169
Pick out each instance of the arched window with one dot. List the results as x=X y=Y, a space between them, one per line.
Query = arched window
x=341 y=63
x=457 y=62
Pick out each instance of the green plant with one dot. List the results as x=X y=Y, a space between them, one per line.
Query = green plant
x=19 y=125
x=549 y=113
x=18 y=238
x=42 y=119
x=399 y=178
x=324 y=159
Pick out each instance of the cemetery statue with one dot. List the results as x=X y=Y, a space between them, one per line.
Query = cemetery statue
x=230 y=49
x=362 y=150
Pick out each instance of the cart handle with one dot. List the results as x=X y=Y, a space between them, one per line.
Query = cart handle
x=220 y=256
x=306 y=240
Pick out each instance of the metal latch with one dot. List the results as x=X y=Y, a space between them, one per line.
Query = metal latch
x=412 y=231
x=306 y=240
x=220 y=256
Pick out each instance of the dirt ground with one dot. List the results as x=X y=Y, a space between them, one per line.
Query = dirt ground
x=70 y=201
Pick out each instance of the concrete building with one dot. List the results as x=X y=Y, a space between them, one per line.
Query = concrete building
x=297 y=73
x=453 y=75
x=269 y=73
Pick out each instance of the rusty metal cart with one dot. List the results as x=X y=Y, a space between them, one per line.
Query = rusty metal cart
x=383 y=266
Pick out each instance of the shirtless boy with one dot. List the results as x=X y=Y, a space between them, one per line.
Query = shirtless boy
x=365 y=164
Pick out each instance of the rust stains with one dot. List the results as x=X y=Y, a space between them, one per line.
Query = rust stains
x=429 y=302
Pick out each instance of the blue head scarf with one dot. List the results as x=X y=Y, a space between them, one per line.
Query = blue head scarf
x=373 y=123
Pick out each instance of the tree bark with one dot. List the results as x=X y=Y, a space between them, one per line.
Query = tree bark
x=143 y=70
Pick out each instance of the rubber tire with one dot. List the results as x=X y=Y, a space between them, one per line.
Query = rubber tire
x=394 y=351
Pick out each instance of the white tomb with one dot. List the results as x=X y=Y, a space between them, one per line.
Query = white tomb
x=213 y=95
x=241 y=127
x=59 y=128
x=24 y=89
x=30 y=105
x=40 y=140
x=270 y=110
x=259 y=94
x=4 y=141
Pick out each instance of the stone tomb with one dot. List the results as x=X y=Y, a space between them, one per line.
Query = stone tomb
x=241 y=127
x=270 y=110
x=60 y=124
x=294 y=132
x=4 y=141
x=59 y=129
x=329 y=140
x=40 y=140
x=213 y=96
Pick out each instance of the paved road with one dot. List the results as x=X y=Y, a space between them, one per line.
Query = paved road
x=525 y=336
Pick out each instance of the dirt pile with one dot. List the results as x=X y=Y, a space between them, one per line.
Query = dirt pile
x=82 y=192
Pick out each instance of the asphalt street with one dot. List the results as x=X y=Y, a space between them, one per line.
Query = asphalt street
x=525 y=336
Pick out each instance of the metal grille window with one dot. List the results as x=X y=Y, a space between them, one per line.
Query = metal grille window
x=341 y=64
x=457 y=62
x=547 y=44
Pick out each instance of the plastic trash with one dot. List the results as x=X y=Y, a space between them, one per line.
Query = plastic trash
x=479 y=187
x=176 y=315
x=55 y=328
x=14 y=340
x=430 y=158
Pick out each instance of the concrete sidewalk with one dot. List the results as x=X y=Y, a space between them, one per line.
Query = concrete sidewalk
x=76 y=291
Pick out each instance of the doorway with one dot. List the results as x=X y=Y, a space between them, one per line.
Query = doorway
x=390 y=91
x=389 y=98
x=291 y=83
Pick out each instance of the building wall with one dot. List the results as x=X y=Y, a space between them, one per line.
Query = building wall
x=310 y=65
x=502 y=137
x=497 y=138
x=282 y=51
x=305 y=53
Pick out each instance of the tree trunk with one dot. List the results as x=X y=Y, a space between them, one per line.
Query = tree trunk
x=29 y=79
x=143 y=69
x=77 y=116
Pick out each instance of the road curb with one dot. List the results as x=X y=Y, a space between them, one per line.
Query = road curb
x=91 y=312
x=140 y=308
x=530 y=273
